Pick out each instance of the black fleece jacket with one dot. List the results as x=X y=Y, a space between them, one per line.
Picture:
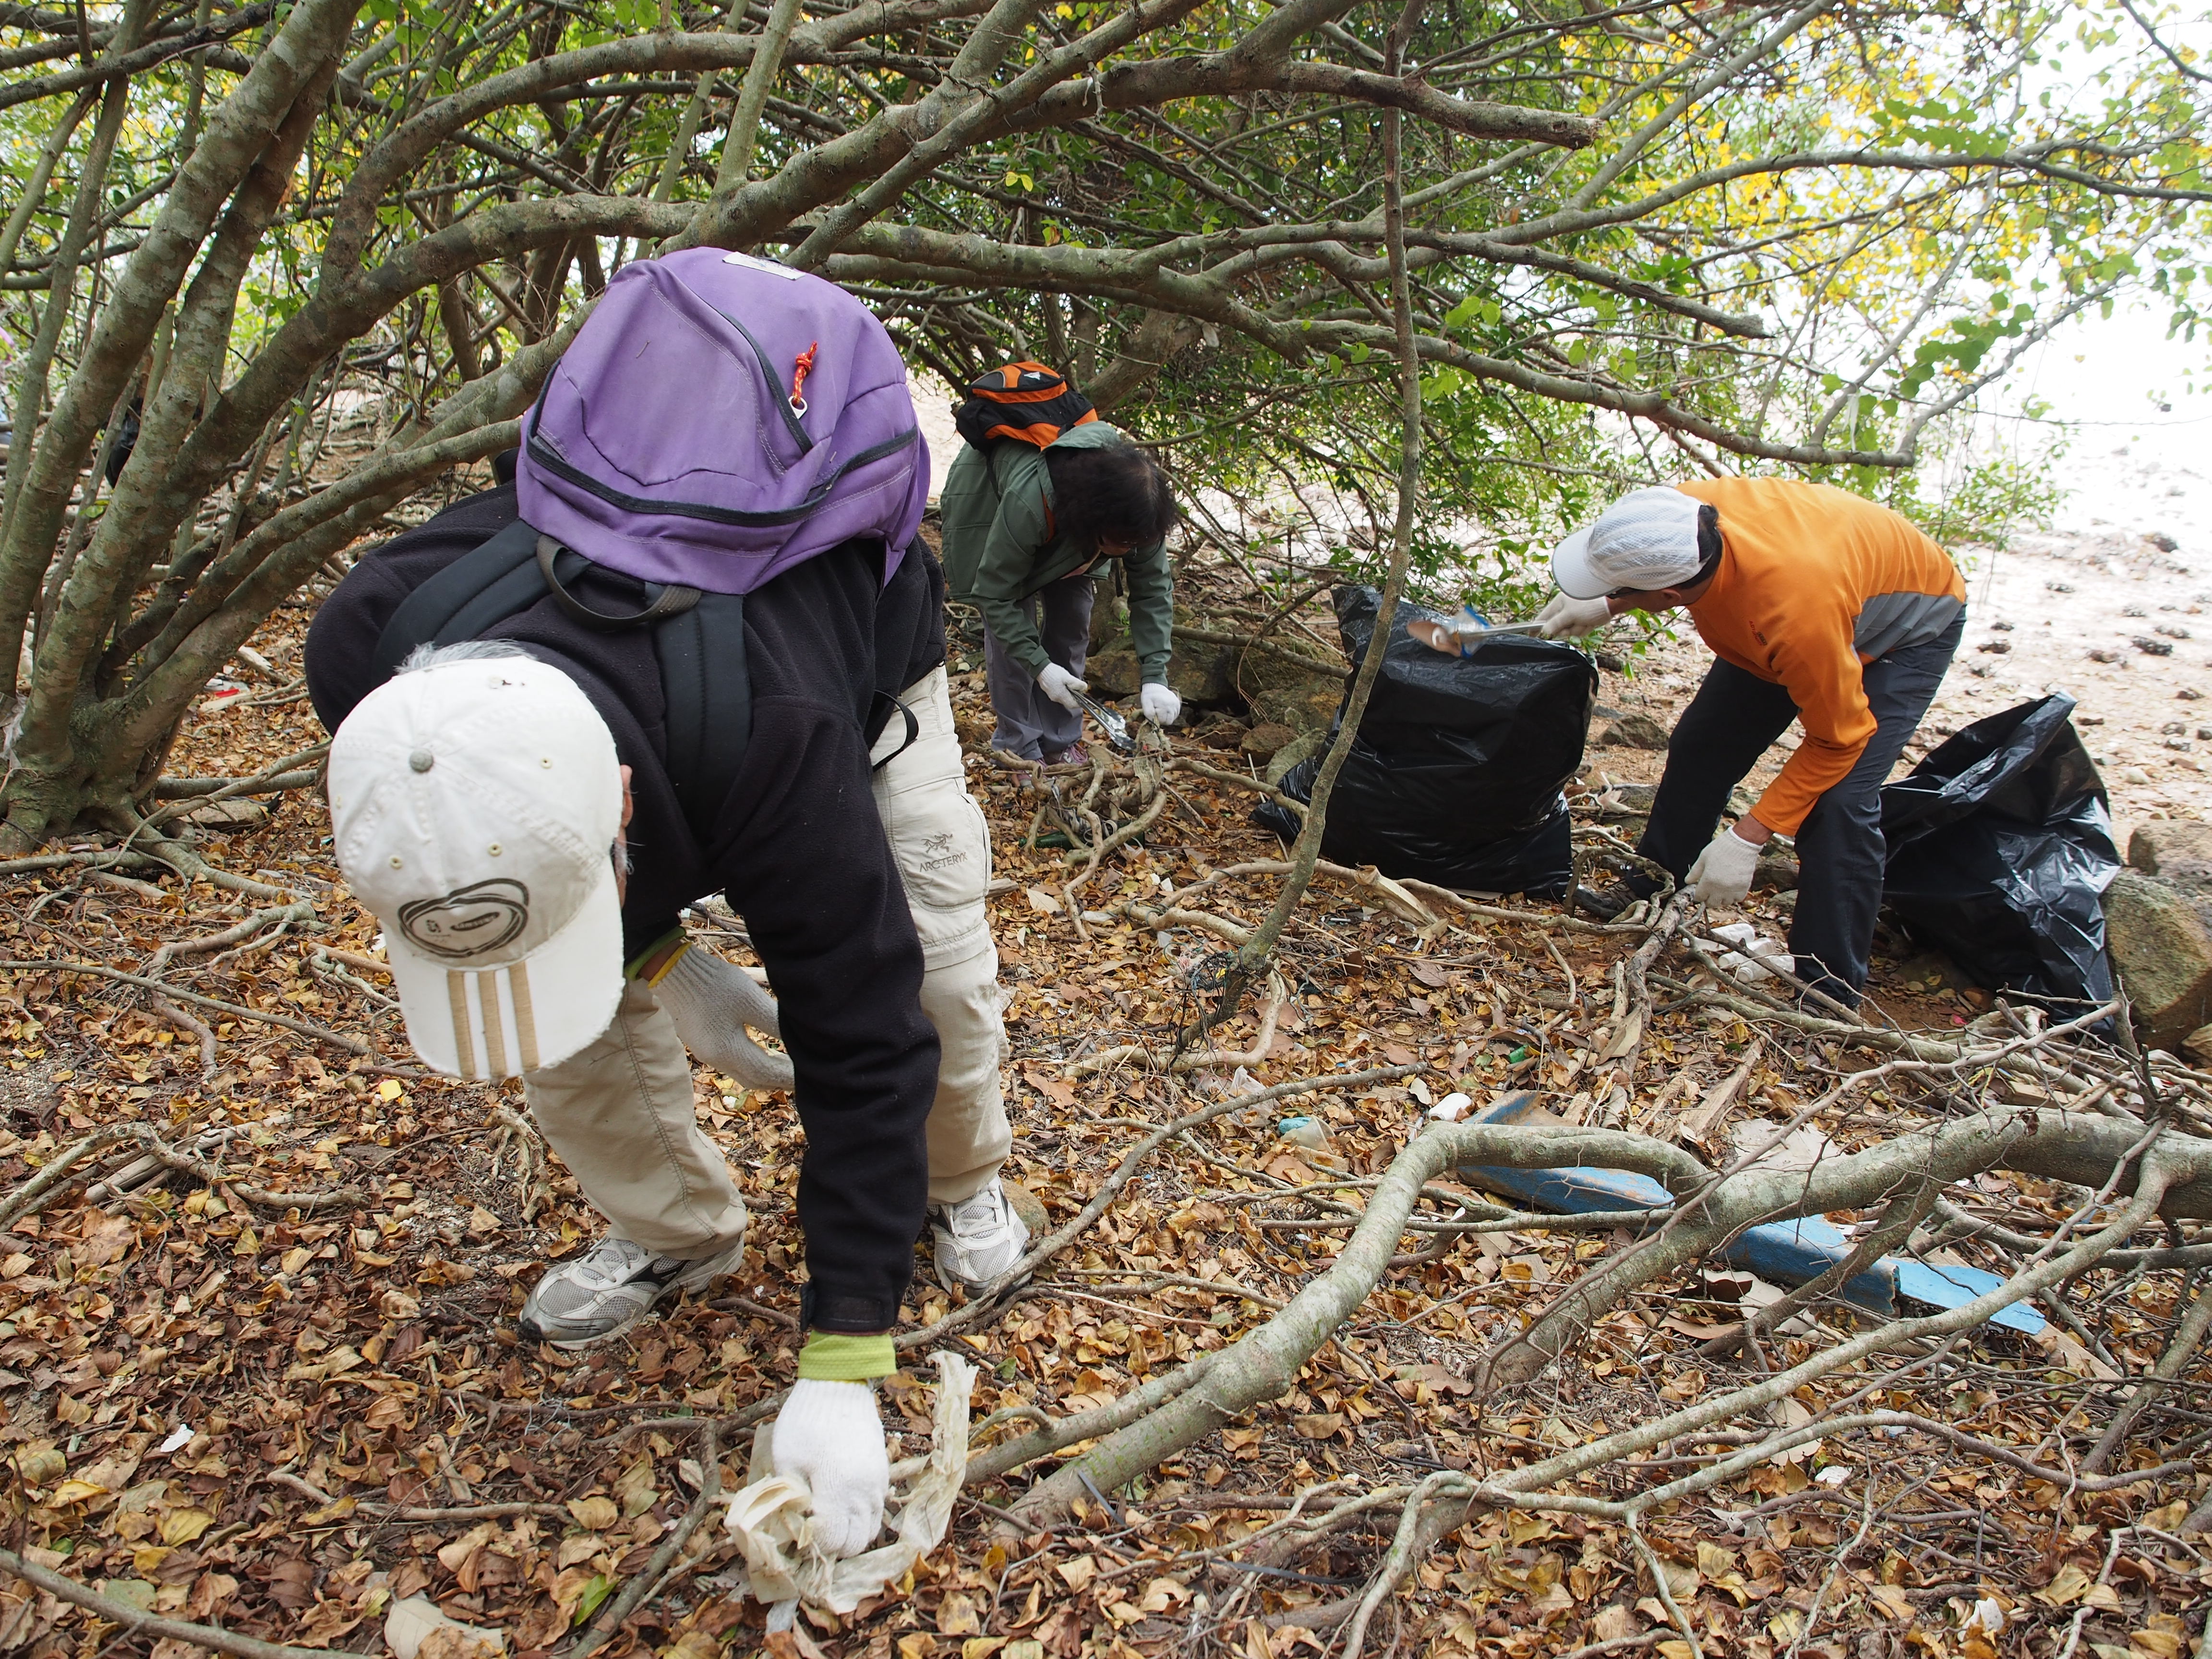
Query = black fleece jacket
x=799 y=850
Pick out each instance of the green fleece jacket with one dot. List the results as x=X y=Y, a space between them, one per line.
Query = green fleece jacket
x=999 y=548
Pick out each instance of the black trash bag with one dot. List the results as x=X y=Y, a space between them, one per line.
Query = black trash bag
x=2000 y=851
x=1456 y=776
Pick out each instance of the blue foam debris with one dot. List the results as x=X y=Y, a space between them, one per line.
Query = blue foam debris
x=1792 y=1251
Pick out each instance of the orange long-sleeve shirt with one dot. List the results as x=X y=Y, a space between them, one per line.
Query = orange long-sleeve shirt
x=1816 y=583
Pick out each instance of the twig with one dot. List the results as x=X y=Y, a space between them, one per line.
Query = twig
x=183 y=1021
x=123 y=1614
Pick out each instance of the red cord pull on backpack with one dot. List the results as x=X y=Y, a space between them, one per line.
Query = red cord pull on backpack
x=801 y=367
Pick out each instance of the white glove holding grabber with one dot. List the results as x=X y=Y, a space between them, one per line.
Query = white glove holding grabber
x=1566 y=619
x=1723 y=873
x=1061 y=686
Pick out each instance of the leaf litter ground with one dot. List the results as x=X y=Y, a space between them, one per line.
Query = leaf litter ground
x=280 y=1390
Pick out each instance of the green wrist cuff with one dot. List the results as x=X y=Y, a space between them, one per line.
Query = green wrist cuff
x=630 y=968
x=830 y=1357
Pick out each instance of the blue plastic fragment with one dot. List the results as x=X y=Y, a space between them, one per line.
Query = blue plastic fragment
x=1792 y=1251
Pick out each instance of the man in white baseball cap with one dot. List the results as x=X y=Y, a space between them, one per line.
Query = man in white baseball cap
x=1822 y=609
x=546 y=747
x=477 y=807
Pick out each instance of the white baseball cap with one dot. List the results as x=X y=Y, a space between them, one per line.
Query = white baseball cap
x=474 y=805
x=1647 y=540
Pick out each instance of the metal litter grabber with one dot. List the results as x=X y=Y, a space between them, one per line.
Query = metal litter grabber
x=1116 y=728
x=1465 y=634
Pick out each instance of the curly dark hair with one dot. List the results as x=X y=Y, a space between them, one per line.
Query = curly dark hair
x=1117 y=494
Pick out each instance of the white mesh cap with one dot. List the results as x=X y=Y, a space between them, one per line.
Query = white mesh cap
x=474 y=806
x=1647 y=540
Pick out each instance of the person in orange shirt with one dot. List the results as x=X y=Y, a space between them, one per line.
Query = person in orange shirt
x=1822 y=608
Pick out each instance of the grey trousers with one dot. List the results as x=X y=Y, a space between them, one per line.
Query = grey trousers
x=1030 y=722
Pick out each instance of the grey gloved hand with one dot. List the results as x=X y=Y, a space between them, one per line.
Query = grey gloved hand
x=1061 y=686
x=1570 y=619
x=830 y=1434
x=1723 y=871
x=712 y=1002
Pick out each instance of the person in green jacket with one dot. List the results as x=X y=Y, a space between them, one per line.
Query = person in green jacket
x=1027 y=531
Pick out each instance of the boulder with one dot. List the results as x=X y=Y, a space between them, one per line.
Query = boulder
x=1265 y=740
x=1197 y=673
x=2178 y=849
x=1633 y=731
x=2160 y=939
x=1113 y=672
x=1302 y=747
x=1304 y=706
x=1777 y=872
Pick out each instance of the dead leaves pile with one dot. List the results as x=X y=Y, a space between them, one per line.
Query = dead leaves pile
x=240 y=1410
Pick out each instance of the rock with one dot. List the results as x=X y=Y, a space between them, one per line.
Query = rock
x=2151 y=648
x=2160 y=939
x=1302 y=747
x=2162 y=542
x=1265 y=740
x=1777 y=873
x=2198 y=1044
x=226 y=816
x=1633 y=731
x=2177 y=849
x=1199 y=673
x=1113 y=672
x=1304 y=706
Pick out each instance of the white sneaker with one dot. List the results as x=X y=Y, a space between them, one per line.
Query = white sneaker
x=978 y=1240
x=610 y=1287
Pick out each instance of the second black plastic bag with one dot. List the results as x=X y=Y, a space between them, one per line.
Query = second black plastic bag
x=1456 y=775
x=2000 y=851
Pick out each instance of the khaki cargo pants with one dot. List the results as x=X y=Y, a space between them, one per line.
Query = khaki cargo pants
x=620 y=1112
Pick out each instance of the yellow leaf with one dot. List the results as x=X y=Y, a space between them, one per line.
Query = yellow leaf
x=181 y=1527
x=956 y=1615
x=2071 y=1585
x=1078 y=1572
x=296 y=1258
x=1713 y=1560
x=74 y=1491
x=595 y=1513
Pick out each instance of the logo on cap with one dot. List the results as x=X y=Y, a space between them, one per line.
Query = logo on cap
x=468 y=921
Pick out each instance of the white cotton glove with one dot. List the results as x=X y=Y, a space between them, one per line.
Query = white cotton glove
x=712 y=1001
x=1061 y=686
x=1570 y=619
x=1161 y=706
x=1723 y=871
x=828 y=1434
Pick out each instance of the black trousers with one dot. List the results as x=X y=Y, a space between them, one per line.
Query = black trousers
x=1733 y=721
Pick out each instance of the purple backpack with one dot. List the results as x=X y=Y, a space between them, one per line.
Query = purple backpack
x=719 y=419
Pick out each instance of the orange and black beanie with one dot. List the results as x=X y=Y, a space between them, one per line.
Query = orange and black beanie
x=1026 y=402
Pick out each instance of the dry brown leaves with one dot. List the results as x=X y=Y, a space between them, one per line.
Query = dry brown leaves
x=184 y=1368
